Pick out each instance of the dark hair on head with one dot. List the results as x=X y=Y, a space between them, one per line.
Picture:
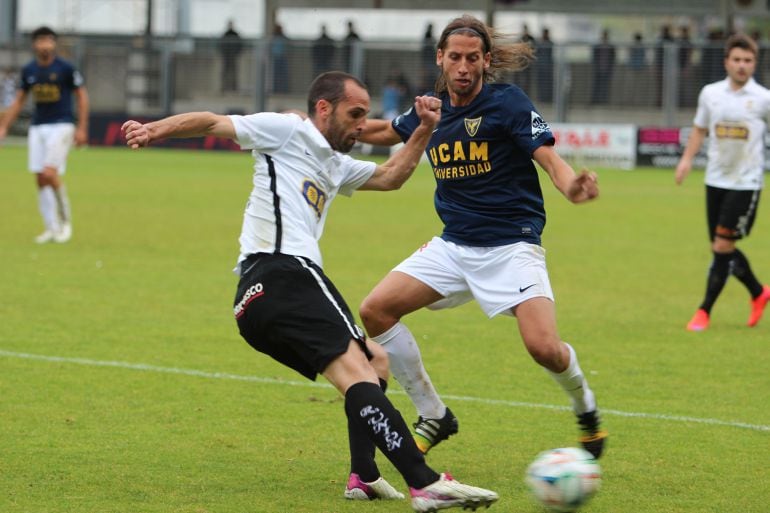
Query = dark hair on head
x=43 y=32
x=510 y=56
x=741 y=41
x=329 y=86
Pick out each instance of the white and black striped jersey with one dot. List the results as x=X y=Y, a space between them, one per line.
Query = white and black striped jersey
x=737 y=122
x=296 y=177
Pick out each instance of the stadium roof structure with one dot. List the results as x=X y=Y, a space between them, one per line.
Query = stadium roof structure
x=724 y=9
x=631 y=7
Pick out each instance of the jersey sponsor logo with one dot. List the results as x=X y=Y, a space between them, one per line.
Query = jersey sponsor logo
x=727 y=130
x=459 y=151
x=472 y=156
x=456 y=172
x=252 y=293
x=46 y=93
x=314 y=196
x=539 y=126
x=472 y=126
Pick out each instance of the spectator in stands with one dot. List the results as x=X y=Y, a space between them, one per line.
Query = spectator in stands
x=637 y=56
x=279 y=55
x=323 y=52
x=637 y=91
x=665 y=39
x=351 y=41
x=429 y=69
x=230 y=46
x=7 y=89
x=394 y=94
x=544 y=67
x=603 y=69
x=711 y=61
x=687 y=86
x=523 y=77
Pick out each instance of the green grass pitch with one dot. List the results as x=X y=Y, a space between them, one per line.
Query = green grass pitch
x=125 y=387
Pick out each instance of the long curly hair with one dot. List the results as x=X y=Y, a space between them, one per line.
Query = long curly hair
x=504 y=56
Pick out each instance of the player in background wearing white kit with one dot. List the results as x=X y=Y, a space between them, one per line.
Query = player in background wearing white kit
x=285 y=306
x=735 y=112
x=52 y=81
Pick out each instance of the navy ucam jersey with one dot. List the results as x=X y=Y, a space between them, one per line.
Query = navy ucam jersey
x=51 y=88
x=487 y=188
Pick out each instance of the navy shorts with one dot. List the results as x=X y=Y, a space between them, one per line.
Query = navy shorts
x=288 y=309
x=730 y=213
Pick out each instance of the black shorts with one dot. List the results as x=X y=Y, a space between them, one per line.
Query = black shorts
x=288 y=309
x=730 y=213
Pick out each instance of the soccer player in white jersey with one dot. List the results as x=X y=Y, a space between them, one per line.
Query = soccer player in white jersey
x=735 y=113
x=285 y=305
x=53 y=82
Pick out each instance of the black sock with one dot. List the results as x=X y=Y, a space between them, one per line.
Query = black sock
x=742 y=270
x=367 y=406
x=362 y=449
x=718 y=274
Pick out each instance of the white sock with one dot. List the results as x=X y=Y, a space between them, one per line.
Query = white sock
x=47 y=203
x=406 y=366
x=63 y=204
x=574 y=383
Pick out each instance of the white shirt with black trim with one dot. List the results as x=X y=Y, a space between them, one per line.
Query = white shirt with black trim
x=287 y=208
x=736 y=121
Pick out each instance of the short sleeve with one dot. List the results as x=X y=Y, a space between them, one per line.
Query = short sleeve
x=356 y=173
x=265 y=131
x=526 y=126
x=24 y=83
x=702 y=117
x=406 y=123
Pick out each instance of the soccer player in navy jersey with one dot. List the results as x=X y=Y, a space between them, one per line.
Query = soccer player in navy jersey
x=489 y=199
x=53 y=82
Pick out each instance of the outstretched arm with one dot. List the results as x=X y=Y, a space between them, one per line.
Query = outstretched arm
x=192 y=124
x=694 y=143
x=380 y=133
x=399 y=167
x=576 y=187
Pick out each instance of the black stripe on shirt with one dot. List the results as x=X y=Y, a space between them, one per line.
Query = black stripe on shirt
x=276 y=203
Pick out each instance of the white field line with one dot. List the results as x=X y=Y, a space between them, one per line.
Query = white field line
x=273 y=381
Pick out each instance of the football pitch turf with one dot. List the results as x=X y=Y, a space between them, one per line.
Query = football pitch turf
x=125 y=387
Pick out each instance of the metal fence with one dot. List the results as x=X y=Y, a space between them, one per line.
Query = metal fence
x=645 y=85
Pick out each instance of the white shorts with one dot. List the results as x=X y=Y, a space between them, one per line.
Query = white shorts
x=49 y=145
x=498 y=278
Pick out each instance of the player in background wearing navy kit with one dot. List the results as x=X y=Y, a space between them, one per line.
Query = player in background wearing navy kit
x=489 y=199
x=735 y=112
x=286 y=307
x=53 y=82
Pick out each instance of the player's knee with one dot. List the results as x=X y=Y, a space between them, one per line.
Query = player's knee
x=372 y=313
x=547 y=353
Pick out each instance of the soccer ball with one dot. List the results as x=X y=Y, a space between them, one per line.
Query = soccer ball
x=564 y=479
